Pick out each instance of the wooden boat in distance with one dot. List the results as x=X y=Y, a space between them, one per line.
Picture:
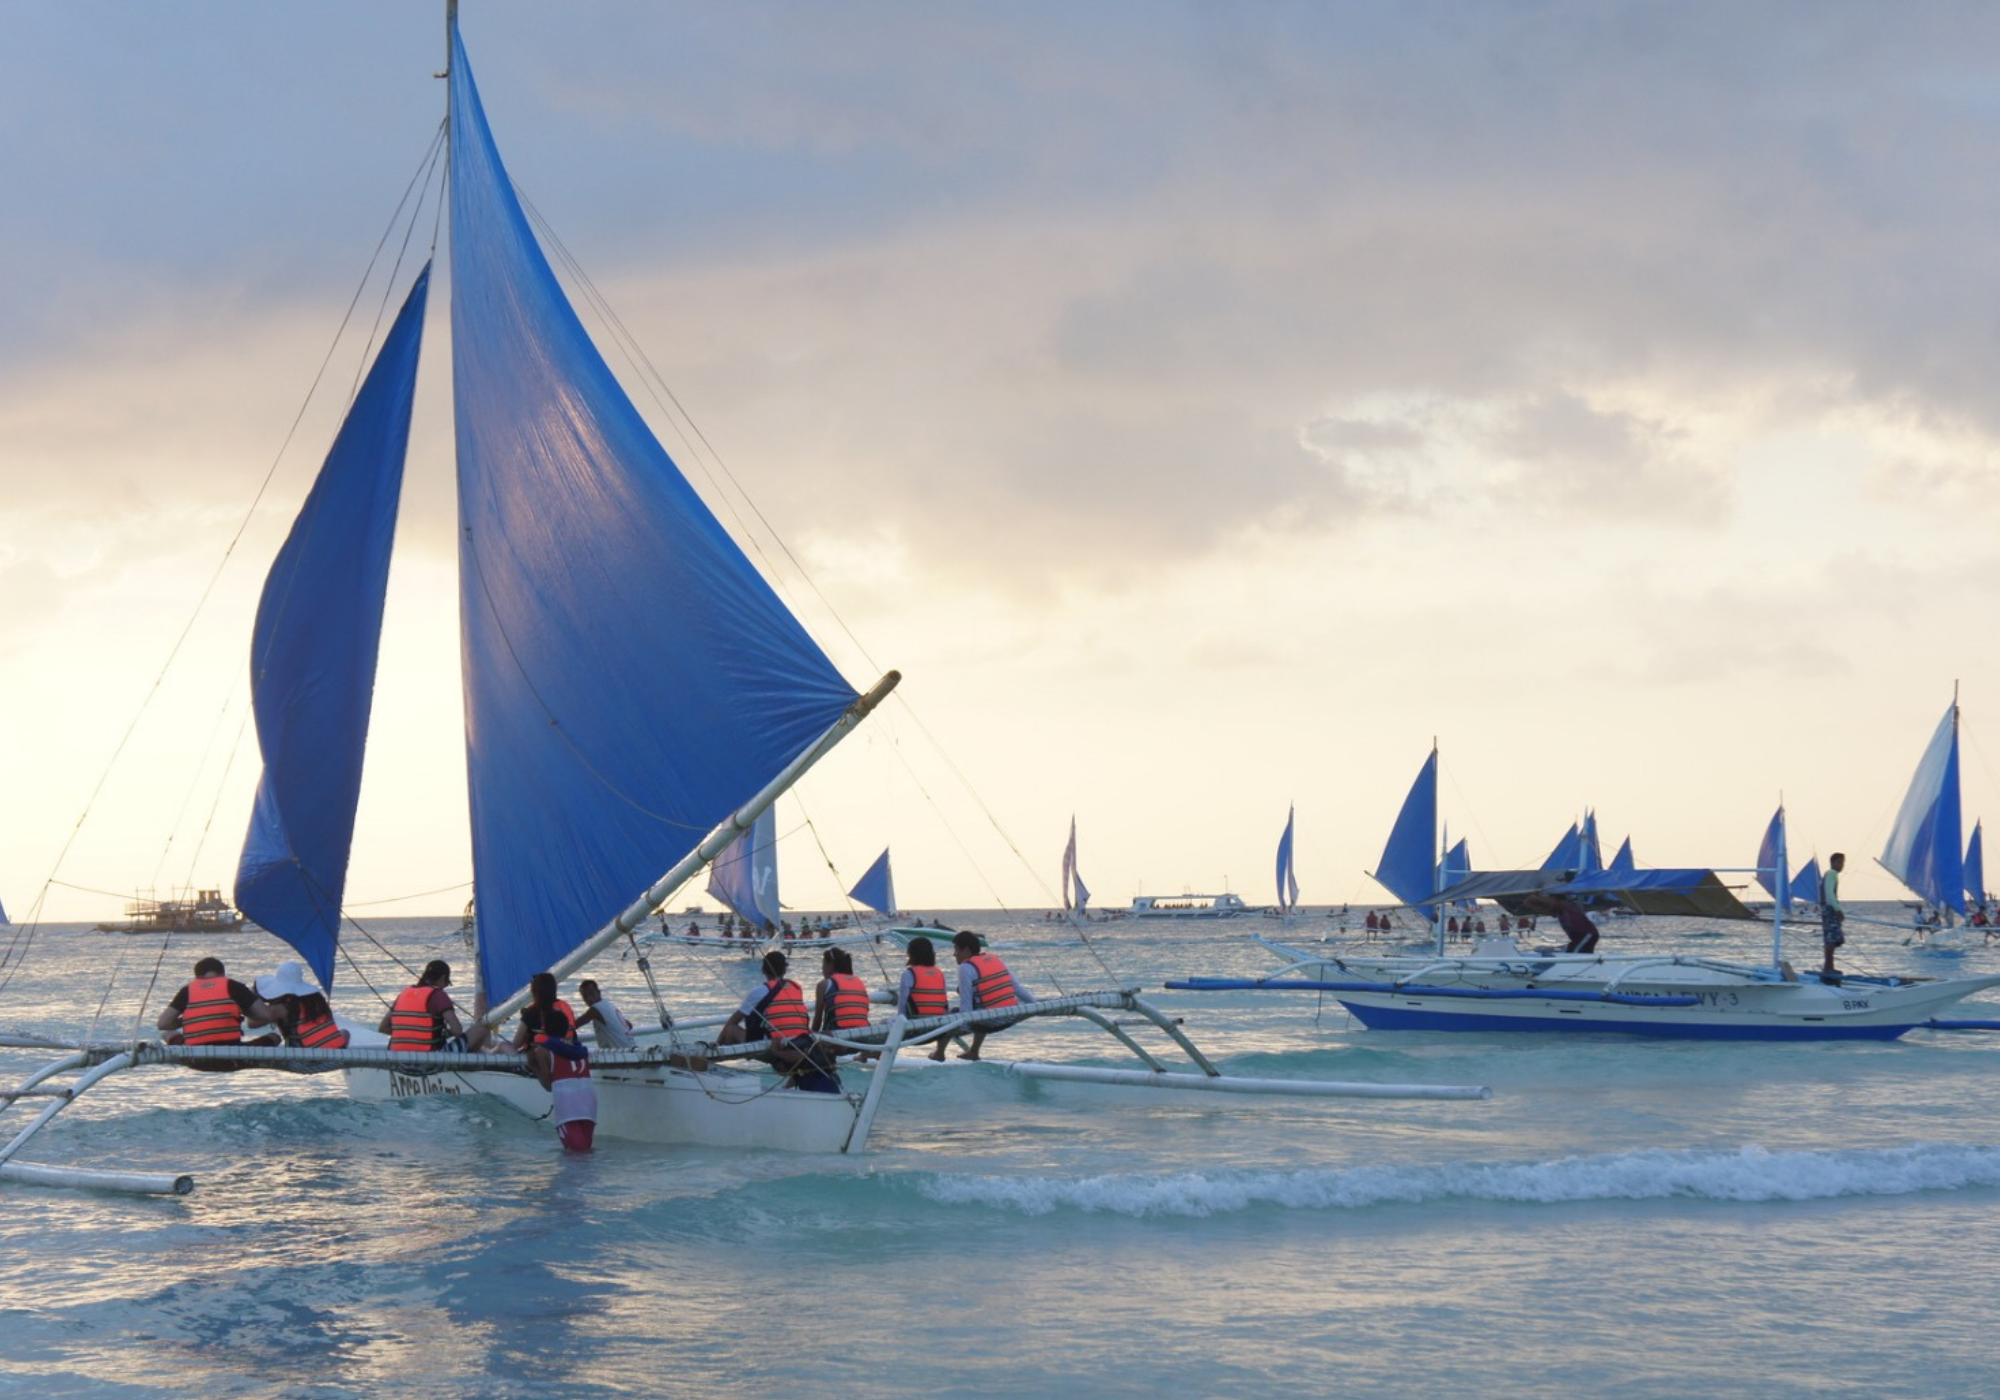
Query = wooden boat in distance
x=203 y=911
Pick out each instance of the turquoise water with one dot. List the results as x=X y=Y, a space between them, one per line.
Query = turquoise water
x=1622 y=1217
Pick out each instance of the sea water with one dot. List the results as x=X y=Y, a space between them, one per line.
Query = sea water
x=1623 y=1217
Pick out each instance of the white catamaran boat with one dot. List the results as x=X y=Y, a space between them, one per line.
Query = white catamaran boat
x=1504 y=985
x=583 y=552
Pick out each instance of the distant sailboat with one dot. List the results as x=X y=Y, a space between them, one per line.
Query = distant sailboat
x=1288 y=878
x=877 y=888
x=745 y=877
x=1975 y=870
x=1578 y=850
x=1924 y=850
x=1623 y=863
x=1075 y=894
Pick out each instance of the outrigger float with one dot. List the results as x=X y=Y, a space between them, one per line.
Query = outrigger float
x=676 y=1092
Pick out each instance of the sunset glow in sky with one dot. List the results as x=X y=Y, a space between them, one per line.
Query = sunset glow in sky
x=1204 y=406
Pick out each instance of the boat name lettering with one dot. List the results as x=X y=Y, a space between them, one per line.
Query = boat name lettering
x=1718 y=998
x=1858 y=1004
x=416 y=1086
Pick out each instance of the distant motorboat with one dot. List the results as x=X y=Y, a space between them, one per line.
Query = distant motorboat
x=1187 y=906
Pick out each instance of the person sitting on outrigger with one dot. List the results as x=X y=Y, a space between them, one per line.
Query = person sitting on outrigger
x=983 y=982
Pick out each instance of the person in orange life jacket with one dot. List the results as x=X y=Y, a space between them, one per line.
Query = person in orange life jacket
x=840 y=1003
x=775 y=1010
x=300 y=1010
x=921 y=991
x=983 y=981
x=213 y=1009
x=423 y=1016
x=548 y=1034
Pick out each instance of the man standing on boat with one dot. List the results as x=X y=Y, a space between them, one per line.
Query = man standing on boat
x=984 y=983
x=1832 y=914
x=1582 y=932
x=212 y=1010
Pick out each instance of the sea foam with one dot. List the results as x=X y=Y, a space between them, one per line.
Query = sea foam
x=1747 y=1174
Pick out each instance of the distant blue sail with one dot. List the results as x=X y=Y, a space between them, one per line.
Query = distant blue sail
x=1288 y=879
x=312 y=660
x=1923 y=849
x=1456 y=865
x=1623 y=863
x=1805 y=884
x=1975 y=869
x=1593 y=853
x=630 y=678
x=1568 y=854
x=3 y=915
x=876 y=888
x=1408 y=868
x=745 y=875
x=1772 y=862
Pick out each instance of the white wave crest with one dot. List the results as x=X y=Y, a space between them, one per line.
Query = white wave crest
x=1746 y=1174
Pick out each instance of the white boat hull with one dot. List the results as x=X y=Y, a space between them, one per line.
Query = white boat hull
x=656 y=1104
x=1508 y=989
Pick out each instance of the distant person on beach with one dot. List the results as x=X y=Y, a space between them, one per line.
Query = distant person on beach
x=1582 y=932
x=984 y=983
x=213 y=1009
x=300 y=1010
x=921 y=991
x=607 y=1023
x=423 y=1016
x=1832 y=914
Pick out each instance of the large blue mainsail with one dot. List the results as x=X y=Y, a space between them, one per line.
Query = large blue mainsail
x=877 y=888
x=1288 y=878
x=630 y=678
x=1923 y=849
x=745 y=876
x=312 y=660
x=1408 y=868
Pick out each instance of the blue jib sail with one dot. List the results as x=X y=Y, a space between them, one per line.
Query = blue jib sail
x=630 y=678
x=1805 y=884
x=876 y=888
x=1408 y=865
x=1923 y=850
x=1771 y=861
x=312 y=660
x=745 y=876
x=1624 y=862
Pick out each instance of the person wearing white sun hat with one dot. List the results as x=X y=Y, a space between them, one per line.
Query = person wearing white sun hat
x=303 y=1015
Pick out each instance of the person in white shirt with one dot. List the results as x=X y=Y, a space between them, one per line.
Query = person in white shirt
x=607 y=1023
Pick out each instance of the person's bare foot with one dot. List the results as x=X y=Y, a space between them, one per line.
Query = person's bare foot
x=968 y=1054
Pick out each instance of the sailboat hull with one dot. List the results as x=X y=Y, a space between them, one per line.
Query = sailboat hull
x=656 y=1104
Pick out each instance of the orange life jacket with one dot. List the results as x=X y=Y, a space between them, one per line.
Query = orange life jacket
x=784 y=1010
x=994 y=985
x=411 y=1024
x=850 y=1001
x=563 y=1008
x=319 y=1032
x=927 y=997
x=212 y=1016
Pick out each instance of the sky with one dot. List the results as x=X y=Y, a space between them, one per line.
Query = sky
x=1205 y=406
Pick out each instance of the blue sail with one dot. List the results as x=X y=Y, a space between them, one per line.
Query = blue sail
x=3 y=915
x=877 y=888
x=1593 y=854
x=1975 y=869
x=1408 y=865
x=1456 y=865
x=1805 y=884
x=312 y=660
x=1624 y=862
x=1923 y=849
x=1288 y=879
x=745 y=876
x=1771 y=860
x=630 y=678
x=1568 y=854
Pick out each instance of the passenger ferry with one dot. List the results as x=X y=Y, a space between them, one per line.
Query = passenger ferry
x=1188 y=906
